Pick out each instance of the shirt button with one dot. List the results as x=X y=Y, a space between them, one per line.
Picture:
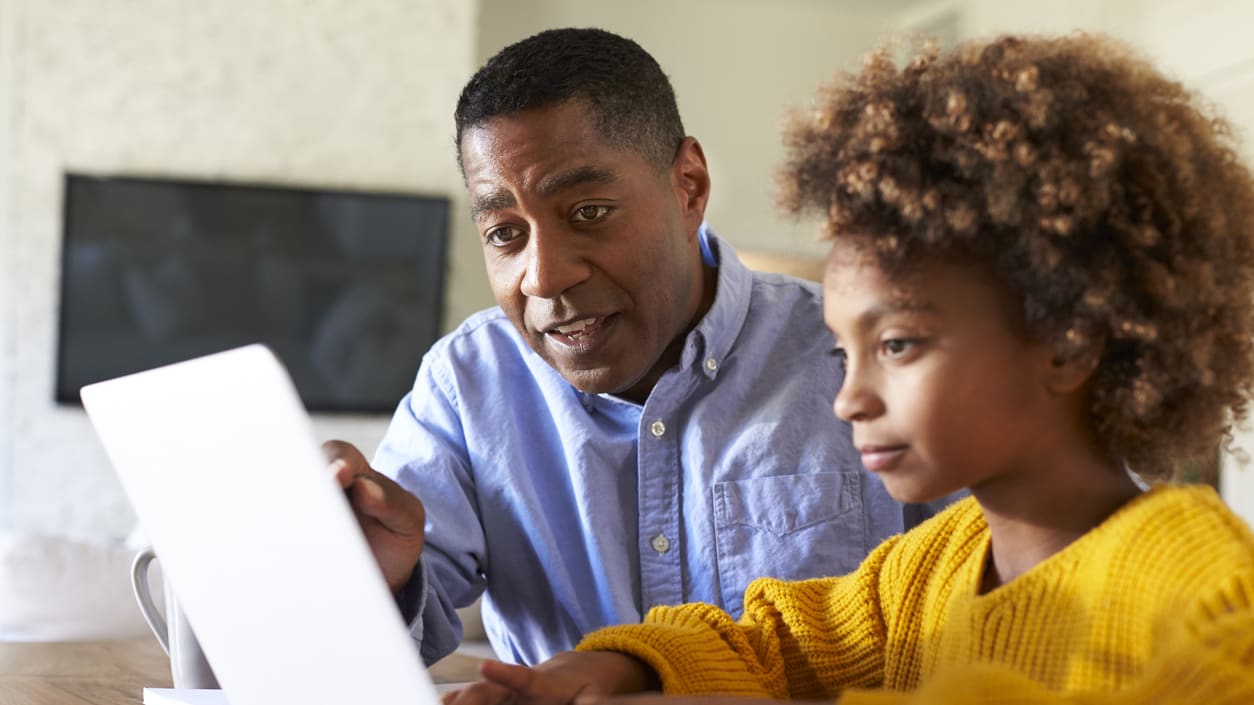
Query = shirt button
x=657 y=428
x=660 y=543
x=711 y=364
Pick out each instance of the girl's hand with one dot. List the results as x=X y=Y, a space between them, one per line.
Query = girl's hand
x=659 y=699
x=558 y=681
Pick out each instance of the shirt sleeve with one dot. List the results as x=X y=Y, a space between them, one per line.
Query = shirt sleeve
x=797 y=640
x=424 y=450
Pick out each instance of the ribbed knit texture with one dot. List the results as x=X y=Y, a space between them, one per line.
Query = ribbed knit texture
x=1154 y=605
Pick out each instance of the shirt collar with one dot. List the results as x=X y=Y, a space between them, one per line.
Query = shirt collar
x=713 y=337
x=710 y=342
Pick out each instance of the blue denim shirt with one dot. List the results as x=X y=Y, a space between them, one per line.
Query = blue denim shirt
x=577 y=511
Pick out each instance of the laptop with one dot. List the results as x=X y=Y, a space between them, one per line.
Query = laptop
x=220 y=462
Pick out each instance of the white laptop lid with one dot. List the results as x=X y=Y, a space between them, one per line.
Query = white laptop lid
x=222 y=466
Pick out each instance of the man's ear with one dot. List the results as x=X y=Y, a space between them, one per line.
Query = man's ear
x=1072 y=368
x=691 y=178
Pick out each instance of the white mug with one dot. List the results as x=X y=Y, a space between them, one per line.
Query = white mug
x=188 y=666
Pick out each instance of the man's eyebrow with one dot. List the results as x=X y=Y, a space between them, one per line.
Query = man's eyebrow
x=589 y=174
x=493 y=201
x=548 y=186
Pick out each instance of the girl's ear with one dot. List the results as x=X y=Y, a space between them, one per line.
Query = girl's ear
x=1071 y=369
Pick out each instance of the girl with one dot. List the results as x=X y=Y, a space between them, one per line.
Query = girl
x=1040 y=283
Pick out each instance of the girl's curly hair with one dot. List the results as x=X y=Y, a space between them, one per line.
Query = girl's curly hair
x=1102 y=194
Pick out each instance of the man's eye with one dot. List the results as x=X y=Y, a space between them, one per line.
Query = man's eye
x=590 y=213
x=500 y=237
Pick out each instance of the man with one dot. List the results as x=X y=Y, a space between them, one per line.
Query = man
x=642 y=420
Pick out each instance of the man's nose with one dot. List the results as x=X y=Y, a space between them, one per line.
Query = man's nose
x=554 y=265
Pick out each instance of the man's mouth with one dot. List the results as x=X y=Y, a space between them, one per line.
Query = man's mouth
x=577 y=333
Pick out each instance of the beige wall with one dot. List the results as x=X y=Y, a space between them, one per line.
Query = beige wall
x=1207 y=44
x=339 y=93
x=986 y=17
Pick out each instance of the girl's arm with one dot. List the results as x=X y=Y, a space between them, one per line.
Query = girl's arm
x=797 y=640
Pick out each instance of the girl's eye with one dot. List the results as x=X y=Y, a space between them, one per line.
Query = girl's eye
x=590 y=213
x=897 y=347
x=842 y=358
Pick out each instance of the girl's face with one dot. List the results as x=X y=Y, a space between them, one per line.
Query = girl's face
x=941 y=387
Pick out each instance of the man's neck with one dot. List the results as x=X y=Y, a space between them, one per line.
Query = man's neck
x=639 y=392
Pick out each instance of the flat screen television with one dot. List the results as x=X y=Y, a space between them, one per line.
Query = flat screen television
x=346 y=287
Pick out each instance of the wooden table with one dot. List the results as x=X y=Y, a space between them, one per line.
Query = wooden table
x=116 y=672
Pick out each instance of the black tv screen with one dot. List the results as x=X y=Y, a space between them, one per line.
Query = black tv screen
x=346 y=287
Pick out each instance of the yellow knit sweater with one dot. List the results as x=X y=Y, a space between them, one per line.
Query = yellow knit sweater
x=1155 y=605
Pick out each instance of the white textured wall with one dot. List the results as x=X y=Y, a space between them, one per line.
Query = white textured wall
x=340 y=93
x=7 y=298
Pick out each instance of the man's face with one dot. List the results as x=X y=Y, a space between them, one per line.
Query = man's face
x=591 y=250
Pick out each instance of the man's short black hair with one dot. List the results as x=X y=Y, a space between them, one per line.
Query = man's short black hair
x=629 y=96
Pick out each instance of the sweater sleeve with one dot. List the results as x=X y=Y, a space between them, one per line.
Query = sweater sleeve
x=1207 y=657
x=796 y=640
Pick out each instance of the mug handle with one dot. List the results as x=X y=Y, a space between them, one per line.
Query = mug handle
x=139 y=582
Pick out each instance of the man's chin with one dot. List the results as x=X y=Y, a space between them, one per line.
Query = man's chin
x=592 y=384
x=599 y=381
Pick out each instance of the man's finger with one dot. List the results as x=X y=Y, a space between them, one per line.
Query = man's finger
x=341 y=449
x=367 y=493
x=344 y=461
x=376 y=497
x=344 y=473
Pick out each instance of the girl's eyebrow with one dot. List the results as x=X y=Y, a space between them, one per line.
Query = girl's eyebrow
x=879 y=311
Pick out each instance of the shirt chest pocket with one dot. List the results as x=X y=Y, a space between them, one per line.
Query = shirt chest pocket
x=788 y=526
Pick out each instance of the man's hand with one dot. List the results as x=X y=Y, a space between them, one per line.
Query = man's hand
x=558 y=681
x=391 y=518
